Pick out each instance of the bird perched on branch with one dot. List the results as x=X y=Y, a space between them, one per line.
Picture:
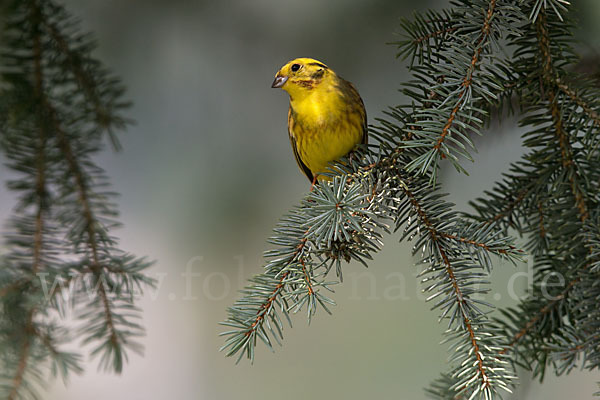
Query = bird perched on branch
x=327 y=117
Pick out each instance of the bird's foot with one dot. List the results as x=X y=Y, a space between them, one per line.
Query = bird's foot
x=314 y=182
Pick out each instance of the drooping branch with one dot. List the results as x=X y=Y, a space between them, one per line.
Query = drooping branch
x=550 y=86
x=436 y=237
x=40 y=195
x=51 y=94
x=85 y=80
x=104 y=100
x=90 y=220
x=51 y=117
x=566 y=150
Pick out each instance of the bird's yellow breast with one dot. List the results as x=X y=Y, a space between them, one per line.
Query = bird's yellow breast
x=325 y=125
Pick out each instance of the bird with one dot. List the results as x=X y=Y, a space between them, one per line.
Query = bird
x=326 y=118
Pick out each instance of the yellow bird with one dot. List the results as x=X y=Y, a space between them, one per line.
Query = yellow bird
x=327 y=117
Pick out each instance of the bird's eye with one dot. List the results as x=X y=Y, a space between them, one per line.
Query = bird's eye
x=295 y=67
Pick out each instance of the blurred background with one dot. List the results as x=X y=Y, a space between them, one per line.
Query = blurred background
x=207 y=171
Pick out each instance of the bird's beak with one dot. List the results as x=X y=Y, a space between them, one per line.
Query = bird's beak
x=279 y=81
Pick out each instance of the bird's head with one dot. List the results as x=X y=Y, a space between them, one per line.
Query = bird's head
x=299 y=76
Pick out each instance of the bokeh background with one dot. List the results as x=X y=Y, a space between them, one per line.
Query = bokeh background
x=207 y=171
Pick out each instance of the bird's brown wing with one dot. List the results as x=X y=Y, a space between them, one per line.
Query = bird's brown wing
x=365 y=137
x=356 y=99
x=301 y=164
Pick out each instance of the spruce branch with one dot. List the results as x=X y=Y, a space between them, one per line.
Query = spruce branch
x=50 y=131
